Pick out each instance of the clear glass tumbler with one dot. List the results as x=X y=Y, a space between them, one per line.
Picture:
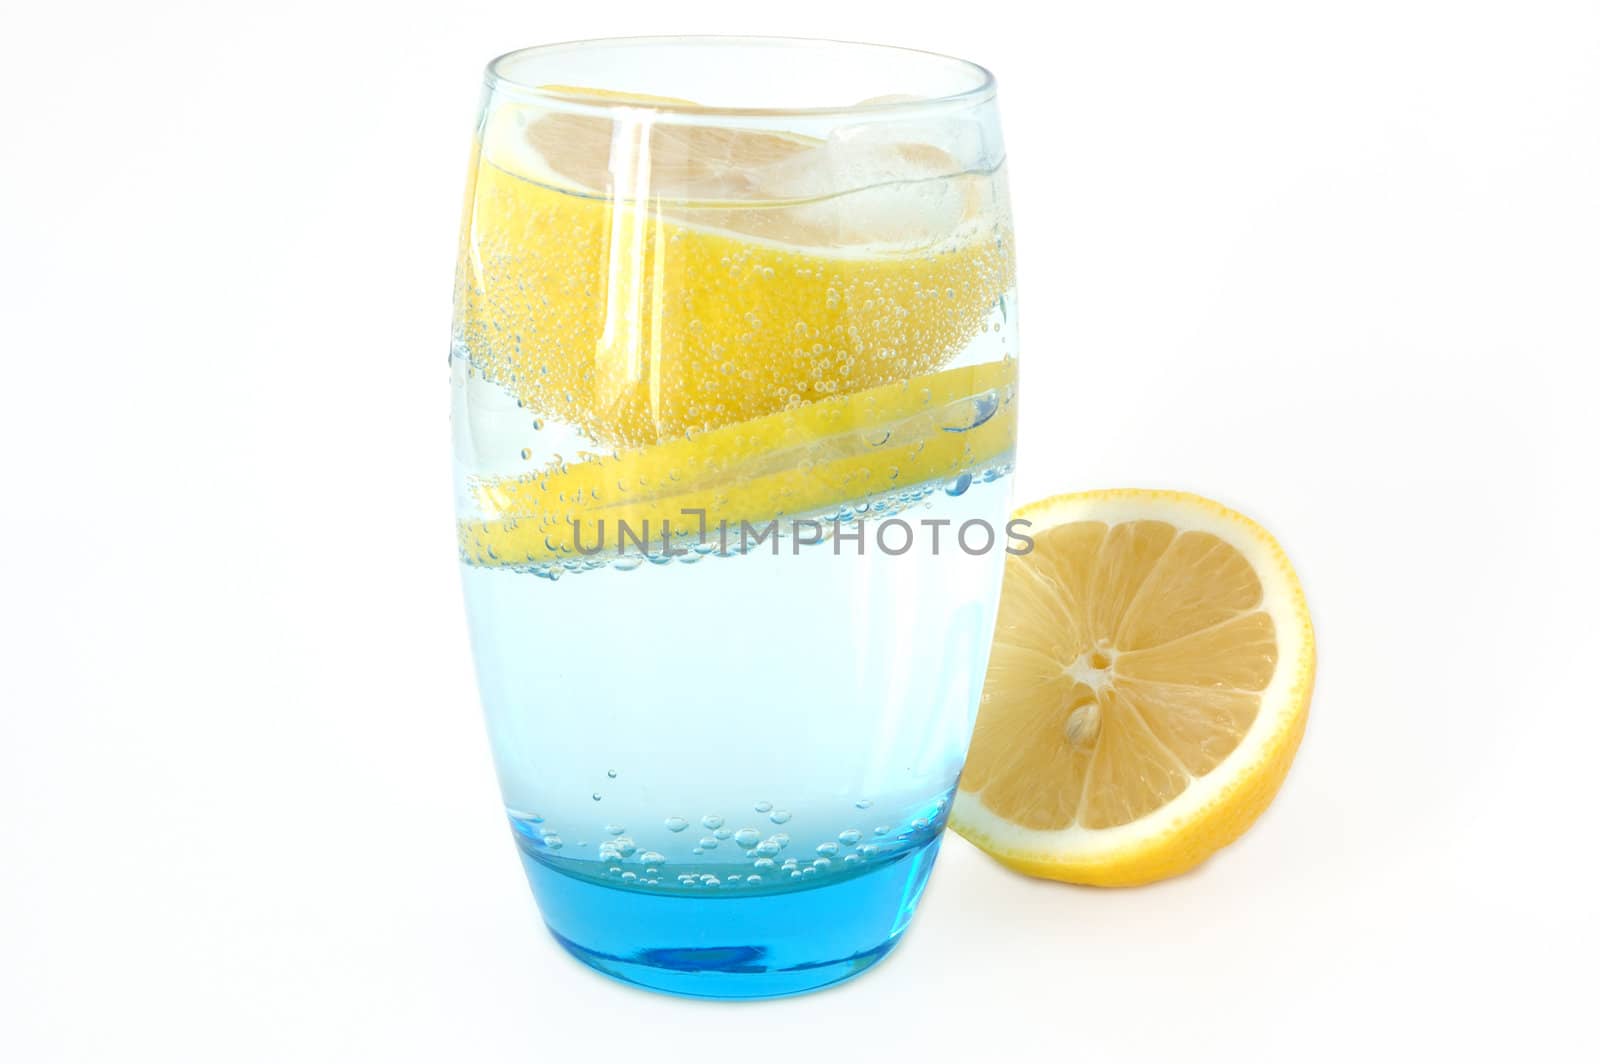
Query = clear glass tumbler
x=734 y=376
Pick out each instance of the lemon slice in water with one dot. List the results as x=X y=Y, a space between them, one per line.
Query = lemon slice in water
x=640 y=280
x=795 y=463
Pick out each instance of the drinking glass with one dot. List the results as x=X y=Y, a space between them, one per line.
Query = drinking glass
x=734 y=407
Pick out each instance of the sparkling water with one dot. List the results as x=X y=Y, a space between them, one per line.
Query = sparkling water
x=711 y=738
x=739 y=758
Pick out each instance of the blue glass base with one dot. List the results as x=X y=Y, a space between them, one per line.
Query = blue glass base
x=734 y=945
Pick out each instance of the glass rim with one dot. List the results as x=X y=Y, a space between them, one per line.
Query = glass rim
x=495 y=78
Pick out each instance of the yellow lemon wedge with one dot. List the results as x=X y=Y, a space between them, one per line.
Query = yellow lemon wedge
x=1147 y=691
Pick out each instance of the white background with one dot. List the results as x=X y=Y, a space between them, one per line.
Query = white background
x=1334 y=264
